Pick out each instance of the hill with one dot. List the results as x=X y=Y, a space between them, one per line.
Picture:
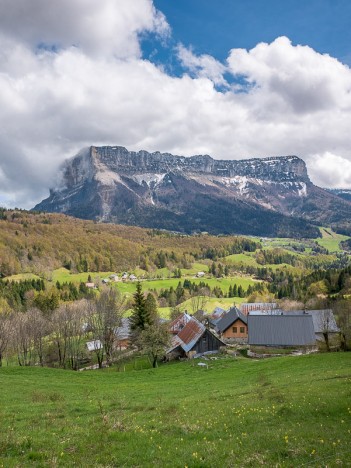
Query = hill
x=271 y=197
x=292 y=411
x=41 y=242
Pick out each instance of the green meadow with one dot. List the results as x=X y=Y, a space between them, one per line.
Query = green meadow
x=331 y=240
x=289 y=411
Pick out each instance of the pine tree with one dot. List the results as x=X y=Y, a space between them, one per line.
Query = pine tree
x=151 y=308
x=139 y=318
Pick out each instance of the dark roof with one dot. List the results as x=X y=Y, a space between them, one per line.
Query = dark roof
x=229 y=318
x=323 y=320
x=280 y=330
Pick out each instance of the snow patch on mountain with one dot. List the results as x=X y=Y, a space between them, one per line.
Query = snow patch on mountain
x=151 y=180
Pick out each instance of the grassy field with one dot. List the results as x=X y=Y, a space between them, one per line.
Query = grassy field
x=159 y=284
x=290 y=411
x=330 y=240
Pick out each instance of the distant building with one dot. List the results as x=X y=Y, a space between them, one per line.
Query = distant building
x=90 y=285
x=263 y=307
x=94 y=345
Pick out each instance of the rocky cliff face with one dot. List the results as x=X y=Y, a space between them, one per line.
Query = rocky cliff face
x=198 y=193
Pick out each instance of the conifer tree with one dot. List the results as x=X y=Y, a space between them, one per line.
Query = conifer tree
x=140 y=317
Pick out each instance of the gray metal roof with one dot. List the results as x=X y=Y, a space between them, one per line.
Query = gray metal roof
x=280 y=330
x=323 y=320
x=229 y=318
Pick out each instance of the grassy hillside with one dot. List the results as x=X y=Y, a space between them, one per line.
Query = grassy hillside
x=293 y=411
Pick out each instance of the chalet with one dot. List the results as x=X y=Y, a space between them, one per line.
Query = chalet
x=132 y=277
x=200 y=274
x=194 y=339
x=281 y=330
x=124 y=277
x=105 y=280
x=233 y=325
x=90 y=285
x=267 y=307
x=113 y=278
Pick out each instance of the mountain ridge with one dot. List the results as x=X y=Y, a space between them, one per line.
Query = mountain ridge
x=263 y=196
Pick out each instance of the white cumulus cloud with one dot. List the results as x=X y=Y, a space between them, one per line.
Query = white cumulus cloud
x=72 y=75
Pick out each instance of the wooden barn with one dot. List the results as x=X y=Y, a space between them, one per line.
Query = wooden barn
x=194 y=338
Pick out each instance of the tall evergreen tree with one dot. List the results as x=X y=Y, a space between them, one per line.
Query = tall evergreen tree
x=140 y=317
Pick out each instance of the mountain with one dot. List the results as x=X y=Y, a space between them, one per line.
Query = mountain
x=345 y=194
x=267 y=197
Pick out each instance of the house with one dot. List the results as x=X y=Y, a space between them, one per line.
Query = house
x=323 y=322
x=132 y=277
x=113 y=277
x=105 y=280
x=90 y=285
x=194 y=339
x=122 y=334
x=281 y=330
x=267 y=307
x=233 y=325
x=124 y=277
x=94 y=345
x=200 y=274
x=179 y=323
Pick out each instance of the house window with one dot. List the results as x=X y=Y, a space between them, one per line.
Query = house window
x=204 y=339
x=242 y=329
x=235 y=329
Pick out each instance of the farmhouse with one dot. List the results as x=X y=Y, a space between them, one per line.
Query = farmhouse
x=281 y=330
x=233 y=325
x=194 y=339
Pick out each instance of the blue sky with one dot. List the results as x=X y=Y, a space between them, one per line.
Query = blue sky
x=215 y=27
x=231 y=78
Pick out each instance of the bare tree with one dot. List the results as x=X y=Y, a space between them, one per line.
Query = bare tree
x=76 y=331
x=343 y=313
x=22 y=339
x=38 y=327
x=4 y=334
x=105 y=315
x=199 y=300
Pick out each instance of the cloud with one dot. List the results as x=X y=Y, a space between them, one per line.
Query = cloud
x=104 y=27
x=72 y=75
x=331 y=170
x=203 y=66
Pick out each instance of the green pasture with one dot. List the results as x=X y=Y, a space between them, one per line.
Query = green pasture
x=281 y=412
x=158 y=284
x=331 y=240
x=23 y=277
x=211 y=303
